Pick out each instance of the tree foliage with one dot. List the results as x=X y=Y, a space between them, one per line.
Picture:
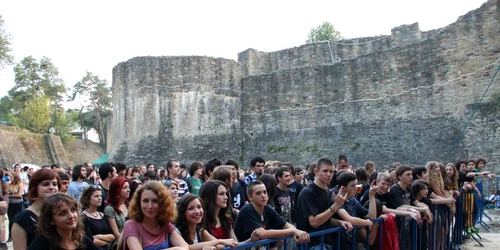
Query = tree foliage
x=324 y=32
x=35 y=101
x=5 y=57
x=95 y=96
x=35 y=116
x=33 y=78
x=63 y=122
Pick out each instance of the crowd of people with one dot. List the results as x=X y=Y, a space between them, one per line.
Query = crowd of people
x=215 y=205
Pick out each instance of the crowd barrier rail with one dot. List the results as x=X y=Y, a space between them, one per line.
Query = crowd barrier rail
x=446 y=232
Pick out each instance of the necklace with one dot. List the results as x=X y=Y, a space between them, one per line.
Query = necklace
x=93 y=216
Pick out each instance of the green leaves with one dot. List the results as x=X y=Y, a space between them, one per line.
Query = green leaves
x=35 y=116
x=324 y=32
x=5 y=57
x=95 y=96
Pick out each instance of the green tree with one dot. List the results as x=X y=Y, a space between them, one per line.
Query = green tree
x=324 y=32
x=33 y=79
x=63 y=122
x=35 y=116
x=95 y=96
x=5 y=56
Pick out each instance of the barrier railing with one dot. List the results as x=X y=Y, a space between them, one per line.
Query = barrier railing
x=444 y=233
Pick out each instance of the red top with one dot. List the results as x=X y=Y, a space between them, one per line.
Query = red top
x=218 y=232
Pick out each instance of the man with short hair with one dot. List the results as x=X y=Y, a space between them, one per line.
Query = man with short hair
x=352 y=211
x=65 y=181
x=120 y=169
x=209 y=168
x=257 y=165
x=401 y=199
x=342 y=165
x=282 y=198
x=238 y=190
x=370 y=167
x=194 y=181
x=151 y=167
x=142 y=170
x=294 y=187
x=174 y=170
x=78 y=183
x=315 y=209
x=25 y=178
x=260 y=218
x=107 y=173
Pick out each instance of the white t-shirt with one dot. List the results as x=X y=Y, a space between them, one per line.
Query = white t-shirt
x=24 y=176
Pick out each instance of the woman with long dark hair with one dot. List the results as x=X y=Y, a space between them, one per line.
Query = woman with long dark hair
x=59 y=226
x=190 y=225
x=96 y=225
x=218 y=220
x=43 y=184
x=116 y=209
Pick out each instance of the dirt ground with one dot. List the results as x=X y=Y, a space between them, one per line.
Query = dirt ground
x=490 y=240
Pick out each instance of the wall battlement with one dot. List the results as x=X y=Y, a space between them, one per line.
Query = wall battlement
x=399 y=97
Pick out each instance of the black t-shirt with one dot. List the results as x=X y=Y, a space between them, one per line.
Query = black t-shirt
x=399 y=197
x=295 y=189
x=364 y=188
x=382 y=198
x=333 y=182
x=27 y=221
x=248 y=220
x=462 y=177
x=96 y=226
x=104 y=193
x=239 y=194
x=283 y=204
x=40 y=243
x=313 y=200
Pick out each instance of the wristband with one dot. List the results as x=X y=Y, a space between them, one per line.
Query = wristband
x=332 y=210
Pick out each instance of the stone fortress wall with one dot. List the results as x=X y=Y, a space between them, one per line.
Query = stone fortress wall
x=401 y=97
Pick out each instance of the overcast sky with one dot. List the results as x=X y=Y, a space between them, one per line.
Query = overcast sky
x=97 y=35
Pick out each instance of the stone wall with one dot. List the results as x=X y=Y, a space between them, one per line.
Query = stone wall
x=401 y=97
x=175 y=107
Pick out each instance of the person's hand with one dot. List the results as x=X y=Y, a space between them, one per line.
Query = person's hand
x=384 y=216
x=373 y=188
x=346 y=225
x=370 y=223
x=229 y=243
x=492 y=176
x=301 y=236
x=256 y=235
x=209 y=248
x=416 y=216
x=479 y=194
x=338 y=200
x=427 y=218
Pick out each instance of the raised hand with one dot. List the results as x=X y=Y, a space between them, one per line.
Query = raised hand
x=373 y=188
x=339 y=199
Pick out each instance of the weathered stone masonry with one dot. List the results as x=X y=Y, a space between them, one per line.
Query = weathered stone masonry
x=401 y=97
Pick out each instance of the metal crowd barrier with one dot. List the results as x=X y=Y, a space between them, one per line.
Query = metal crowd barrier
x=445 y=233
